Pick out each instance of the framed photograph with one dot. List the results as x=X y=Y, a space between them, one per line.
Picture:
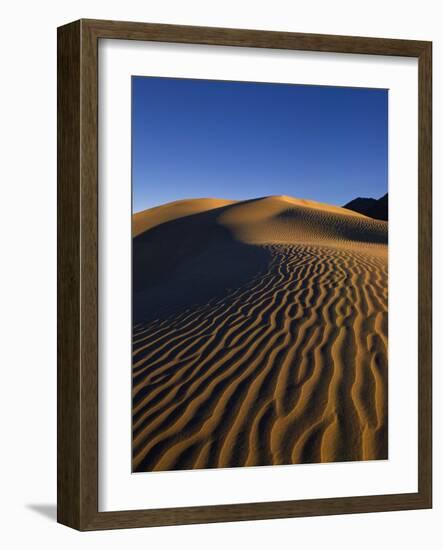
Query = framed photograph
x=244 y=275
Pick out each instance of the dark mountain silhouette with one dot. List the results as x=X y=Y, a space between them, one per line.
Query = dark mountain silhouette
x=373 y=208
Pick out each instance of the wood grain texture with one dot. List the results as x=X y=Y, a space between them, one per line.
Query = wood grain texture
x=254 y=38
x=68 y=276
x=89 y=274
x=425 y=275
x=77 y=274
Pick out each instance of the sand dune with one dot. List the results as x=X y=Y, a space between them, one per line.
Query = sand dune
x=260 y=335
x=142 y=221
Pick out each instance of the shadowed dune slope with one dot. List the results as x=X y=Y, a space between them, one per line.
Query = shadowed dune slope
x=142 y=221
x=260 y=335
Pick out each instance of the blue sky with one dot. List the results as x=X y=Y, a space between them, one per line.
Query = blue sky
x=241 y=140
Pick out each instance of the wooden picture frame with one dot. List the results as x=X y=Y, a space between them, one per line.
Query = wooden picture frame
x=78 y=275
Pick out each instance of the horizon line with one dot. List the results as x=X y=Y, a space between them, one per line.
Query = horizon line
x=251 y=198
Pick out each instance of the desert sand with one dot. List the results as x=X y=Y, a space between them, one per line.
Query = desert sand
x=260 y=334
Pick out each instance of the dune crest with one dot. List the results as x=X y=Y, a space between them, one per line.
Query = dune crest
x=260 y=335
x=286 y=220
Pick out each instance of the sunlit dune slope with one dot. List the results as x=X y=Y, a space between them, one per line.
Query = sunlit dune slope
x=260 y=335
x=287 y=220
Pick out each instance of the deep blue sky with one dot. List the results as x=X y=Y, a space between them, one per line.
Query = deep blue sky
x=240 y=140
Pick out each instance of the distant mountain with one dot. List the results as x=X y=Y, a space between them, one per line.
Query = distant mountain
x=373 y=208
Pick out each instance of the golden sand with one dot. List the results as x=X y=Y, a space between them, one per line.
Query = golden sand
x=273 y=350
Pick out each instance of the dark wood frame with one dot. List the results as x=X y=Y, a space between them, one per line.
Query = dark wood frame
x=77 y=456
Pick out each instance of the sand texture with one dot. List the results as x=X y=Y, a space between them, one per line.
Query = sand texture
x=260 y=334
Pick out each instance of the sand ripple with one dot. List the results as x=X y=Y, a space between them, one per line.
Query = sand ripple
x=289 y=366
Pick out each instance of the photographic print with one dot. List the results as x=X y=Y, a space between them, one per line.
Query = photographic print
x=259 y=274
